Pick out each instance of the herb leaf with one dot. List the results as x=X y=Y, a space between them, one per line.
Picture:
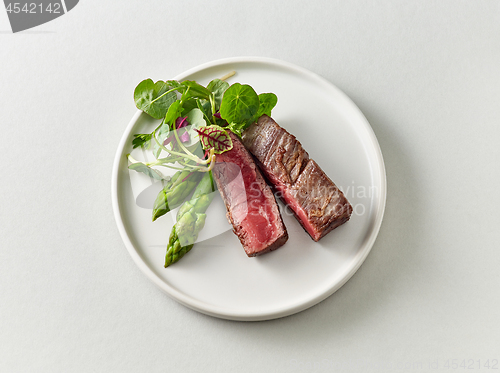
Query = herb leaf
x=215 y=137
x=206 y=109
x=188 y=105
x=217 y=87
x=239 y=105
x=174 y=111
x=161 y=135
x=235 y=128
x=174 y=84
x=142 y=140
x=141 y=167
x=195 y=120
x=195 y=90
x=267 y=103
x=152 y=98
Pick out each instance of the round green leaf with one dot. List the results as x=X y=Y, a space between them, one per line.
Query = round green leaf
x=152 y=98
x=239 y=104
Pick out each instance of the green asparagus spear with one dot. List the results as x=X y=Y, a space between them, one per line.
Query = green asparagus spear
x=190 y=221
x=175 y=192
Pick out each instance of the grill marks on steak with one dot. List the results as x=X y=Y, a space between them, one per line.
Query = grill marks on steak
x=280 y=154
x=298 y=180
x=316 y=200
x=250 y=203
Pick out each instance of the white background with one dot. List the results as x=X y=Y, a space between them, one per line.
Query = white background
x=426 y=74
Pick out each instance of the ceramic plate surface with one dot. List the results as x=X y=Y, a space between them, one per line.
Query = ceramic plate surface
x=216 y=277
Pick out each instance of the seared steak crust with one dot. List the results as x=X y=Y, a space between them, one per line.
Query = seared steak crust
x=313 y=197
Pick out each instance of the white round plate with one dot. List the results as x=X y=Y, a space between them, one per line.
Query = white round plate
x=216 y=277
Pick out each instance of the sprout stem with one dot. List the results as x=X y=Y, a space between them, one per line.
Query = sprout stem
x=228 y=75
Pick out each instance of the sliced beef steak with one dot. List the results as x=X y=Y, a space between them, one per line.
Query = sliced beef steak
x=251 y=207
x=298 y=180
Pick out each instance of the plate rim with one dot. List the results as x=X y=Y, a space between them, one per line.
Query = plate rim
x=221 y=312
